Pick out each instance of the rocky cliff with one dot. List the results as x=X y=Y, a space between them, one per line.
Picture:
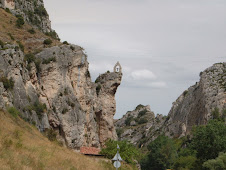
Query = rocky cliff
x=51 y=86
x=33 y=12
x=195 y=106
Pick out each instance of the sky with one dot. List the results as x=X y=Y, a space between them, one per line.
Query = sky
x=162 y=45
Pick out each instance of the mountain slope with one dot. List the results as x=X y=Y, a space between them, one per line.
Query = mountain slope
x=22 y=146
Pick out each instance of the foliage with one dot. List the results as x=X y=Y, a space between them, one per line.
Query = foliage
x=7 y=10
x=47 y=61
x=209 y=140
x=20 y=45
x=1 y=44
x=11 y=36
x=52 y=34
x=139 y=106
x=128 y=120
x=185 y=163
x=38 y=107
x=127 y=151
x=65 y=42
x=216 y=113
x=162 y=154
x=7 y=83
x=142 y=113
x=98 y=89
x=142 y=120
x=41 y=11
x=119 y=132
x=65 y=110
x=29 y=58
x=51 y=134
x=72 y=48
x=47 y=41
x=13 y=111
x=31 y=31
x=20 y=21
x=219 y=163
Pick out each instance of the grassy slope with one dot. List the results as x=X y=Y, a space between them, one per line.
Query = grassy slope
x=32 y=42
x=22 y=146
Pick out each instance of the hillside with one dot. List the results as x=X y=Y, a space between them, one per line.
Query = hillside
x=22 y=146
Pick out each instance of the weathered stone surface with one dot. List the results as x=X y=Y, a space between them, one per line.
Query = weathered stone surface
x=61 y=81
x=193 y=107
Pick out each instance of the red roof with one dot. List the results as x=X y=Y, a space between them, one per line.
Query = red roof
x=89 y=151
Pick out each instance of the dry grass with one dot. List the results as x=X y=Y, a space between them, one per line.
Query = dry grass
x=32 y=42
x=23 y=147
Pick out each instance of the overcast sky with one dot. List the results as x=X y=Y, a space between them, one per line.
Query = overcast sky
x=162 y=45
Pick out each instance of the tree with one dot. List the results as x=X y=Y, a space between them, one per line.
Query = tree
x=219 y=163
x=209 y=140
x=162 y=153
x=128 y=152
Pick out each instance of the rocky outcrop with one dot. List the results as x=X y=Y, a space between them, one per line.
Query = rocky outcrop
x=33 y=13
x=53 y=89
x=194 y=106
x=136 y=126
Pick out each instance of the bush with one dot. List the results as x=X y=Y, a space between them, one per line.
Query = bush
x=1 y=44
x=47 y=41
x=7 y=10
x=20 y=45
x=47 y=61
x=142 y=113
x=53 y=35
x=72 y=48
x=20 y=21
x=127 y=151
x=38 y=107
x=10 y=35
x=98 y=89
x=13 y=111
x=65 y=110
x=142 y=121
x=65 y=42
x=7 y=83
x=41 y=11
x=119 y=132
x=218 y=163
x=31 y=31
x=50 y=134
x=128 y=120
x=216 y=113
x=29 y=58
x=139 y=106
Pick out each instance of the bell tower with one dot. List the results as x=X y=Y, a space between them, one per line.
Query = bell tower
x=118 y=68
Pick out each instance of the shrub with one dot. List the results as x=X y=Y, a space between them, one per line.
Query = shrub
x=119 y=132
x=53 y=35
x=127 y=151
x=7 y=10
x=139 y=106
x=47 y=41
x=218 y=163
x=10 y=35
x=142 y=113
x=50 y=134
x=38 y=107
x=13 y=111
x=47 y=61
x=7 y=83
x=1 y=44
x=65 y=110
x=98 y=89
x=20 y=45
x=142 y=121
x=216 y=113
x=41 y=11
x=29 y=58
x=20 y=21
x=128 y=120
x=72 y=48
x=31 y=31
x=65 y=42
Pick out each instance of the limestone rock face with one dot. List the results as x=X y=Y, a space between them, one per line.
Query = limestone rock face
x=58 y=79
x=33 y=12
x=195 y=105
x=136 y=126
